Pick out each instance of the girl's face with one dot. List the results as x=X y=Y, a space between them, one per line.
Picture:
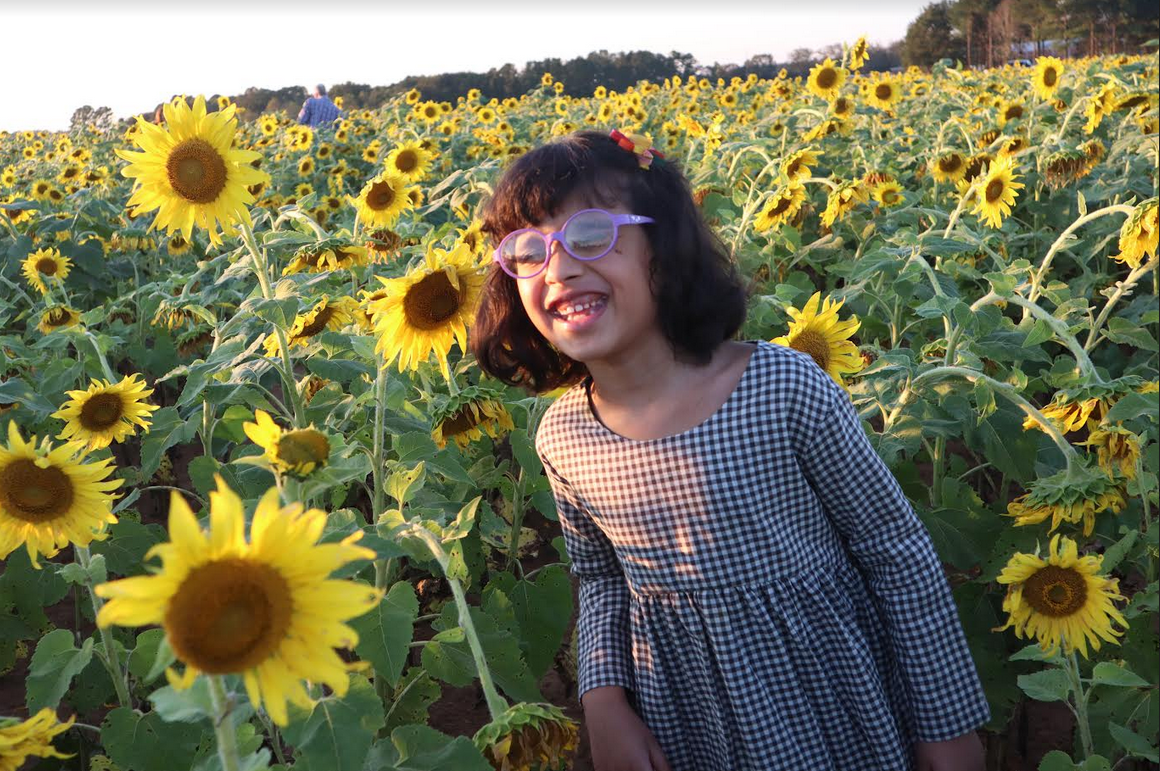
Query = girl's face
x=598 y=310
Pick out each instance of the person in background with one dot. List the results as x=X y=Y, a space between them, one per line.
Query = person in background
x=318 y=110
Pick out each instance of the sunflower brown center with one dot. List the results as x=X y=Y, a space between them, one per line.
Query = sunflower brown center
x=883 y=91
x=55 y=317
x=303 y=446
x=950 y=163
x=780 y=206
x=431 y=301
x=46 y=266
x=381 y=196
x=890 y=196
x=35 y=494
x=827 y=77
x=1050 y=76
x=406 y=161
x=793 y=166
x=196 y=171
x=813 y=343
x=101 y=411
x=1055 y=591
x=318 y=324
x=994 y=190
x=229 y=615
x=462 y=421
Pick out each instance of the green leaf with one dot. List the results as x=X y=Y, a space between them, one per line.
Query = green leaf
x=1130 y=407
x=54 y=664
x=542 y=609
x=124 y=549
x=189 y=706
x=151 y=647
x=1115 y=553
x=524 y=450
x=1107 y=673
x=415 y=692
x=1047 y=685
x=404 y=483
x=384 y=634
x=422 y=748
x=984 y=400
x=337 y=734
x=1120 y=330
x=1135 y=744
x=279 y=312
x=1040 y=332
x=1002 y=284
x=1057 y=760
x=137 y=742
x=1032 y=653
x=448 y=657
x=169 y=428
x=464 y=521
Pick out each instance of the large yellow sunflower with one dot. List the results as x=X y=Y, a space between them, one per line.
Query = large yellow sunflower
x=106 y=413
x=429 y=308
x=266 y=609
x=50 y=498
x=45 y=263
x=191 y=172
x=884 y=94
x=780 y=207
x=299 y=450
x=996 y=191
x=826 y=79
x=1045 y=78
x=826 y=339
x=409 y=160
x=382 y=200
x=1061 y=600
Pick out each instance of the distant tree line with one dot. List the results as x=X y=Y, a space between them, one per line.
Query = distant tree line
x=988 y=33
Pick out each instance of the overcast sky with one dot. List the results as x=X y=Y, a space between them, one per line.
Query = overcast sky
x=132 y=54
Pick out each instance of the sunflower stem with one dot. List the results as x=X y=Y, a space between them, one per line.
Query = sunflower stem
x=1122 y=288
x=111 y=660
x=273 y=735
x=955 y=215
x=379 y=438
x=1037 y=277
x=1058 y=327
x=1071 y=665
x=223 y=726
x=517 y=518
x=496 y=704
x=112 y=378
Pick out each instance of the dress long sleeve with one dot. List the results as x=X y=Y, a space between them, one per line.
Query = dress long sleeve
x=893 y=551
x=604 y=655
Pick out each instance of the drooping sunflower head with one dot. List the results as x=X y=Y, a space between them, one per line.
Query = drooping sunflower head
x=409 y=160
x=232 y=606
x=58 y=317
x=1074 y=496
x=106 y=413
x=298 y=451
x=826 y=79
x=799 y=165
x=528 y=736
x=428 y=309
x=781 y=207
x=1139 y=234
x=465 y=417
x=1061 y=601
x=326 y=314
x=382 y=200
x=191 y=171
x=1045 y=79
x=50 y=497
x=859 y=53
x=31 y=738
x=842 y=200
x=815 y=329
x=1118 y=449
x=45 y=264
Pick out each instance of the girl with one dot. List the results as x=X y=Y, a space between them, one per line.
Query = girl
x=756 y=593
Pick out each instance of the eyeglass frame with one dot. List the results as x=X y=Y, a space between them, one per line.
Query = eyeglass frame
x=557 y=235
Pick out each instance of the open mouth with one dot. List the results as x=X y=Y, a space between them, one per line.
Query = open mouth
x=581 y=309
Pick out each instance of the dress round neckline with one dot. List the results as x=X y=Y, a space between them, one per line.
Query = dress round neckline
x=742 y=384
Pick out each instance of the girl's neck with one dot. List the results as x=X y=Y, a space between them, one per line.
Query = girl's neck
x=646 y=372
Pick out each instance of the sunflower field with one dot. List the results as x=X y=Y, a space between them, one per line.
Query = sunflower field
x=259 y=508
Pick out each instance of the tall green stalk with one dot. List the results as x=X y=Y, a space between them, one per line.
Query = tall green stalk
x=110 y=659
x=223 y=726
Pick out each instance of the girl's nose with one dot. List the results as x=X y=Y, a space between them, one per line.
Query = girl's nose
x=561 y=265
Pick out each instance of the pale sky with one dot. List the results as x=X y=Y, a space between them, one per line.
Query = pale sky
x=132 y=54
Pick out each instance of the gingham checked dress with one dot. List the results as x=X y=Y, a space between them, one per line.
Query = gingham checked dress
x=760 y=583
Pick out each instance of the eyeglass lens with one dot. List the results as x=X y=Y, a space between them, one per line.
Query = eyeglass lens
x=587 y=236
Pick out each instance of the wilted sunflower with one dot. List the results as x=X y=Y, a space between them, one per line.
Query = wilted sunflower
x=298 y=450
x=409 y=160
x=1071 y=414
x=266 y=610
x=949 y=167
x=191 y=171
x=1045 y=78
x=31 y=738
x=859 y=53
x=382 y=200
x=780 y=207
x=799 y=165
x=1099 y=105
x=468 y=415
x=528 y=736
x=45 y=263
x=429 y=308
x=1061 y=600
x=1063 y=167
x=1116 y=446
x=1139 y=234
x=826 y=79
x=1074 y=496
x=996 y=192
x=49 y=497
x=883 y=94
x=324 y=315
x=331 y=254
x=819 y=333
x=106 y=413
x=842 y=200
x=58 y=317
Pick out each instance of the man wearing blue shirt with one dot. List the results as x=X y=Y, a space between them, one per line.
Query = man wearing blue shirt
x=318 y=109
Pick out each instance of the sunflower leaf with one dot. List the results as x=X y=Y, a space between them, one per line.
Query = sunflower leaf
x=384 y=634
x=1107 y=673
x=422 y=748
x=336 y=734
x=54 y=664
x=1047 y=685
x=1135 y=744
x=137 y=742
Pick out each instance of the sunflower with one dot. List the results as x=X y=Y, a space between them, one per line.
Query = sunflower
x=884 y=94
x=1099 y=105
x=306 y=166
x=1069 y=415
x=842 y=200
x=887 y=194
x=298 y=450
x=45 y=263
x=324 y=315
x=826 y=79
x=413 y=96
x=31 y=738
x=106 y=413
x=429 y=308
x=428 y=111
x=1068 y=496
x=1061 y=600
x=780 y=207
x=190 y=171
x=528 y=736
x=332 y=254
x=58 y=317
x=382 y=200
x=409 y=160
x=468 y=415
x=1045 y=78
x=1116 y=446
x=49 y=497
x=799 y=165
x=824 y=337
x=266 y=609
x=949 y=167
x=268 y=125
x=842 y=107
x=859 y=53
x=996 y=191
x=1139 y=234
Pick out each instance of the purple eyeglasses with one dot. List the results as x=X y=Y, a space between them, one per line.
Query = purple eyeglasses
x=589 y=234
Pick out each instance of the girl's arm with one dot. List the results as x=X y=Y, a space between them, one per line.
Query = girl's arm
x=892 y=548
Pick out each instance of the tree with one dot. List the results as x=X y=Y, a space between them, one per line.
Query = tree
x=101 y=117
x=932 y=36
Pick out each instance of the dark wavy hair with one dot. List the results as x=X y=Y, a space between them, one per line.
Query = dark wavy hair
x=699 y=295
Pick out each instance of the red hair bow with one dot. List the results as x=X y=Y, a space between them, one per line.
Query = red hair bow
x=640 y=144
